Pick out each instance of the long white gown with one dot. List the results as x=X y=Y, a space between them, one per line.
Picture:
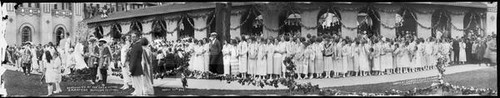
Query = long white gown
x=53 y=69
x=463 y=56
x=78 y=57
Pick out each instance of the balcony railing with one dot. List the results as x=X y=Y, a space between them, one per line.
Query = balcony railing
x=63 y=13
x=28 y=11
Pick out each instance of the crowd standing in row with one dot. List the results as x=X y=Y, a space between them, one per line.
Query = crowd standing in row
x=249 y=56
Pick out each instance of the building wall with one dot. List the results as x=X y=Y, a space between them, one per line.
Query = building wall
x=43 y=26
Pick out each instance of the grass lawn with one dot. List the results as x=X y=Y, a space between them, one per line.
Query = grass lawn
x=19 y=84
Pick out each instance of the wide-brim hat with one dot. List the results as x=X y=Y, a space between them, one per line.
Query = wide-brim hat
x=213 y=34
x=102 y=40
x=92 y=39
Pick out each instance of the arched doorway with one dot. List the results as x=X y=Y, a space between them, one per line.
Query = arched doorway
x=472 y=24
x=115 y=31
x=329 y=22
x=185 y=27
x=441 y=21
x=158 y=29
x=211 y=24
x=252 y=23
x=59 y=35
x=98 y=32
x=369 y=22
x=406 y=23
x=289 y=22
x=26 y=34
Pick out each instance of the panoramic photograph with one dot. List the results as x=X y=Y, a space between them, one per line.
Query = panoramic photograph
x=155 y=49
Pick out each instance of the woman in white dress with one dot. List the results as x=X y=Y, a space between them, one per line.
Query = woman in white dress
x=309 y=55
x=206 y=56
x=199 y=52
x=356 y=51
x=364 y=64
x=234 y=58
x=278 y=57
x=462 y=53
x=226 y=56
x=252 y=57
x=78 y=56
x=419 y=55
x=243 y=56
x=261 y=67
x=377 y=64
x=329 y=58
x=52 y=72
x=345 y=57
x=270 y=56
x=412 y=48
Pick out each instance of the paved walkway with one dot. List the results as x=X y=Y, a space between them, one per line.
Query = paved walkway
x=348 y=81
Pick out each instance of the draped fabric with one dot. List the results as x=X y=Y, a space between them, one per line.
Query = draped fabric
x=115 y=31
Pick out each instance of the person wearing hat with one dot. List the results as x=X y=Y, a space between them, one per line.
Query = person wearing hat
x=26 y=57
x=215 y=65
x=104 y=56
x=93 y=50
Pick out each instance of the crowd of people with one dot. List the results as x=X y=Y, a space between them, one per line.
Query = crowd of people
x=327 y=56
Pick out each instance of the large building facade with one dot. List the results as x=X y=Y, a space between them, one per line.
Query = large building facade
x=41 y=23
x=423 y=19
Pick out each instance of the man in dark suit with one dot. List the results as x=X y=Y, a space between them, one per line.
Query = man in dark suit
x=456 y=50
x=468 y=49
x=134 y=56
x=215 y=65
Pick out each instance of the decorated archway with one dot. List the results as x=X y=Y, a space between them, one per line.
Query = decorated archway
x=369 y=22
x=135 y=26
x=252 y=23
x=289 y=22
x=441 y=24
x=472 y=24
x=115 y=31
x=329 y=21
x=185 y=29
x=98 y=32
x=158 y=29
x=406 y=23
x=26 y=33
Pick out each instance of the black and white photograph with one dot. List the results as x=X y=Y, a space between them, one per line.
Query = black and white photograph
x=248 y=48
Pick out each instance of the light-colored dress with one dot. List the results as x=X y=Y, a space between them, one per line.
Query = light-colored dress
x=364 y=63
x=252 y=58
x=463 y=56
x=377 y=50
x=78 y=56
x=243 y=58
x=199 y=61
x=419 y=56
x=405 y=57
x=429 y=48
x=386 y=61
x=330 y=53
x=337 y=58
x=278 y=58
x=234 y=60
x=270 y=56
x=310 y=56
x=53 y=70
x=412 y=52
x=345 y=58
x=319 y=60
x=226 y=58
x=261 y=67
x=206 y=57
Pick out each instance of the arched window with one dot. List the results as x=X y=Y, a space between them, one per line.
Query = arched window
x=98 y=32
x=329 y=22
x=441 y=21
x=252 y=23
x=472 y=24
x=368 y=20
x=406 y=23
x=59 y=35
x=136 y=25
x=211 y=24
x=185 y=28
x=158 y=29
x=26 y=34
x=115 y=31
x=290 y=23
